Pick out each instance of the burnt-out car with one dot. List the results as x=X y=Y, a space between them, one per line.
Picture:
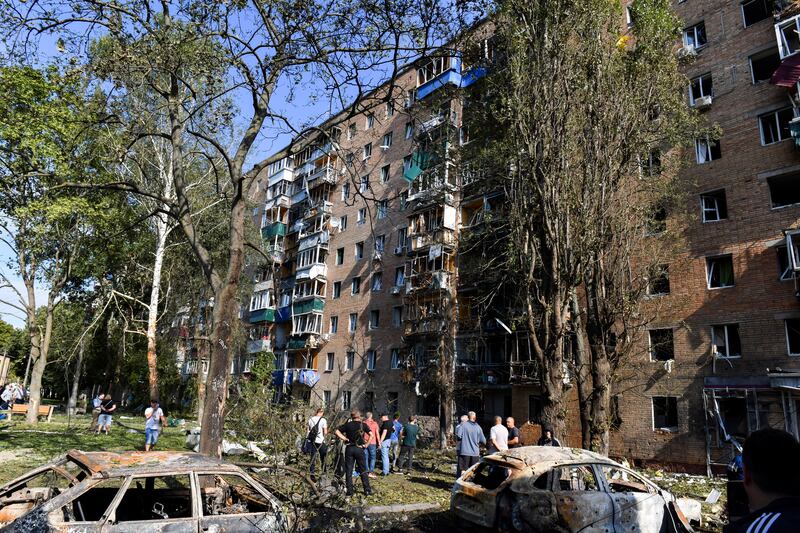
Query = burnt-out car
x=137 y=492
x=551 y=489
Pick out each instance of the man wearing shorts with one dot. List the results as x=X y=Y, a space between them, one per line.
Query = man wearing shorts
x=107 y=408
x=154 y=417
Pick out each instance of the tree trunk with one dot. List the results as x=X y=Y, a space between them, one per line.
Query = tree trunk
x=152 y=312
x=583 y=376
x=39 y=365
x=600 y=367
x=226 y=319
x=73 y=395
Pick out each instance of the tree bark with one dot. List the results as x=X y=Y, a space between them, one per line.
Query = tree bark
x=600 y=367
x=76 y=379
x=583 y=376
x=35 y=391
x=162 y=232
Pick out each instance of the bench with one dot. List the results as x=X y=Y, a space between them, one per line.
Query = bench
x=22 y=409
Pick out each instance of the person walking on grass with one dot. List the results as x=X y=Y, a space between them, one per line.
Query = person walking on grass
x=394 y=447
x=317 y=431
x=408 y=440
x=355 y=435
x=153 y=418
x=107 y=408
x=370 y=452
x=385 y=436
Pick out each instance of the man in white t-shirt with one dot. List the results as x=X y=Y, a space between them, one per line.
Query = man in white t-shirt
x=317 y=431
x=498 y=437
x=154 y=417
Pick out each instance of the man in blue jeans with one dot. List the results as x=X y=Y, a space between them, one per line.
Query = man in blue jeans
x=394 y=447
x=154 y=417
x=370 y=452
x=385 y=436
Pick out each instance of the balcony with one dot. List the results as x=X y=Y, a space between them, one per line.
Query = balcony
x=324 y=174
x=419 y=162
x=484 y=375
x=262 y=315
x=439 y=280
x=280 y=200
x=424 y=326
x=276 y=252
x=442 y=236
x=284 y=174
x=437 y=120
x=283 y=315
x=315 y=304
x=322 y=207
x=258 y=345
x=275 y=229
x=453 y=77
x=289 y=376
x=313 y=271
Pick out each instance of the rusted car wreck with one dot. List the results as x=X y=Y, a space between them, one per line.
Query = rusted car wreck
x=138 y=492
x=548 y=489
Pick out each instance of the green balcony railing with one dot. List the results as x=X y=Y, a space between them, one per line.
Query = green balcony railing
x=262 y=315
x=273 y=230
x=317 y=304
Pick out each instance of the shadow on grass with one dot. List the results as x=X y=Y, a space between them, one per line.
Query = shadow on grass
x=442 y=484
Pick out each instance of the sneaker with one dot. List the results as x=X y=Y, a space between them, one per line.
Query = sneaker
x=369 y=492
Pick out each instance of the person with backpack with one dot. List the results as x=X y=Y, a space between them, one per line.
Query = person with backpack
x=315 y=441
x=355 y=435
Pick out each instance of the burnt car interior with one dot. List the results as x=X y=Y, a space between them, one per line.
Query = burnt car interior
x=39 y=488
x=224 y=494
x=621 y=481
x=90 y=506
x=488 y=475
x=156 y=498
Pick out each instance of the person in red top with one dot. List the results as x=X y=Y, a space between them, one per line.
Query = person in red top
x=370 y=452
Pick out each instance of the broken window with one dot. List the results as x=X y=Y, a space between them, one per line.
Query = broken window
x=399 y=276
x=397 y=316
x=756 y=10
x=367 y=151
x=719 y=271
x=665 y=413
x=662 y=347
x=230 y=494
x=714 y=206
x=788 y=36
x=351 y=131
x=156 y=498
x=622 y=481
x=329 y=361
x=92 y=504
x=387 y=141
x=382 y=208
x=334 y=327
x=764 y=64
x=700 y=87
x=370 y=120
x=346 y=399
x=395 y=360
x=359 y=250
x=784 y=190
x=707 y=150
x=695 y=36
x=793 y=335
x=658 y=280
x=733 y=413
x=725 y=340
x=355 y=285
x=774 y=126
x=393 y=401
x=385 y=173
x=377 y=281
x=489 y=475
x=353 y=322
x=784 y=267
x=578 y=477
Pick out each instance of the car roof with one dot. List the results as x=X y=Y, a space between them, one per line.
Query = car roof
x=111 y=464
x=543 y=458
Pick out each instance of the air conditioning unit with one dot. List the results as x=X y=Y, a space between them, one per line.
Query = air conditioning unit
x=703 y=102
x=399 y=250
x=687 y=51
x=395 y=290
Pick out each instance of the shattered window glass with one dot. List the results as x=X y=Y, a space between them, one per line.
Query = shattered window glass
x=93 y=503
x=156 y=498
x=578 y=477
x=225 y=494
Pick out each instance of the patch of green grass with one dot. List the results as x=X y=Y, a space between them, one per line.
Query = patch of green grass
x=25 y=446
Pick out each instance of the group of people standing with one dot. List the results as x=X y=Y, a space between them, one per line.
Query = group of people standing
x=470 y=437
x=12 y=393
x=362 y=438
x=103 y=407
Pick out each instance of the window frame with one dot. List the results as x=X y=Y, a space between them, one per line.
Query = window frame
x=349 y=361
x=355 y=285
x=708 y=260
x=789 y=351
x=717 y=208
x=650 y=345
x=693 y=28
x=372 y=360
x=670 y=429
x=700 y=79
x=333 y=324
x=708 y=143
x=774 y=116
x=394 y=363
x=744 y=20
x=330 y=362
x=376 y=324
x=759 y=56
x=726 y=340
x=352 y=322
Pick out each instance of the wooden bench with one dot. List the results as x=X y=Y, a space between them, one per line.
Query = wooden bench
x=22 y=409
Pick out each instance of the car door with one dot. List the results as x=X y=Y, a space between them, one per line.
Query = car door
x=638 y=505
x=84 y=508
x=581 y=501
x=162 y=503
x=233 y=502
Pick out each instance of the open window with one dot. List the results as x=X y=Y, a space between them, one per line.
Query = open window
x=719 y=271
x=92 y=504
x=701 y=89
x=665 y=413
x=662 y=345
x=793 y=335
x=784 y=190
x=658 y=280
x=576 y=477
x=774 y=126
x=764 y=64
x=725 y=341
x=155 y=498
x=714 y=206
x=756 y=10
x=793 y=249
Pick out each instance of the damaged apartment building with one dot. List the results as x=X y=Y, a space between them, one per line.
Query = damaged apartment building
x=373 y=226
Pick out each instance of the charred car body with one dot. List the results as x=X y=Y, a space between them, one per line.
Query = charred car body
x=550 y=489
x=138 y=492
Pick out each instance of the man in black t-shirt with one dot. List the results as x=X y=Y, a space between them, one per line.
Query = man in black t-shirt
x=513 y=434
x=355 y=435
x=385 y=442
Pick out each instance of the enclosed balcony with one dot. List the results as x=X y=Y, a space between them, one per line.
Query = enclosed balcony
x=308 y=306
x=439 y=72
x=262 y=315
x=483 y=375
x=258 y=345
x=274 y=229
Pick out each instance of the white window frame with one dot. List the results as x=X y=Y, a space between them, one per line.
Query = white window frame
x=385 y=172
x=744 y=21
x=402 y=276
x=395 y=359
x=382 y=208
x=330 y=359
x=693 y=30
x=352 y=322
x=340 y=256
x=355 y=285
x=367 y=151
x=715 y=209
x=725 y=339
x=342 y=223
x=776 y=122
x=792 y=24
x=358 y=250
x=709 y=271
x=363 y=183
x=708 y=143
x=362 y=216
x=699 y=79
x=337 y=290
x=793 y=249
x=380 y=243
x=349 y=360
x=370 y=121
x=372 y=358
x=333 y=324
x=351 y=131
x=387 y=141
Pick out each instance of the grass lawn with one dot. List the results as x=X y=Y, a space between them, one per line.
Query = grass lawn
x=25 y=446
